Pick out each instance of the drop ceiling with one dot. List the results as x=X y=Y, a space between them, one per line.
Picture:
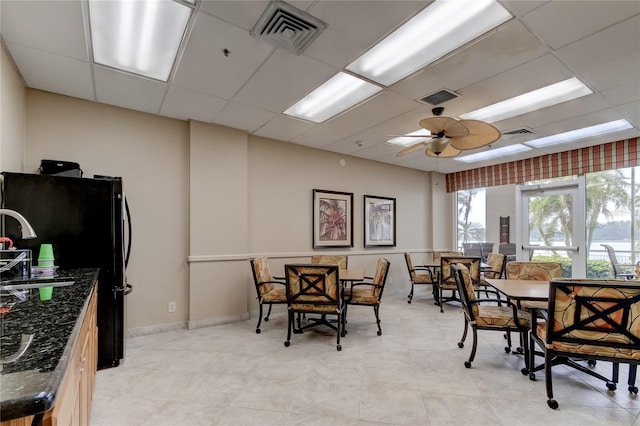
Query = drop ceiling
x=545 y=42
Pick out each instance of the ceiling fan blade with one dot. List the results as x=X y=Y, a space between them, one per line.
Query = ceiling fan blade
x=447 y=152
x=410 y=149
x=452 y=128
x=480 y=134
x=411 y=136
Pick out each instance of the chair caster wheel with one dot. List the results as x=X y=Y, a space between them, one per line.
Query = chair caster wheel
x=339 y=347
x=379 y=333
x=591 y=363
x=467 y=364
x=257 y=331
x=552 y=403
x=519 y=351
x=633 y=390
x=266 y=319
x=343 y=334
x=611 y=386
x=524 y=371
x=507 y=349
x=532 y=377
x=409 y=301
x=287 y=343
x=460 y=345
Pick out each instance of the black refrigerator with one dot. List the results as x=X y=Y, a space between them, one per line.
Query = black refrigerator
x=87 y=221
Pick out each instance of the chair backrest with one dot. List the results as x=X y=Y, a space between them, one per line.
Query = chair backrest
x=341 y=261
x=472 y=249
x=595 y=312
x=617 y=269
x=486 y=249
x=412 y=271
x=540 y=271
x=313 y=288
x=380 y=277
x=466 y=289
x=261 y=274
x=438 y=254
x=471 y=262
x=507 y=248
x=496 y=262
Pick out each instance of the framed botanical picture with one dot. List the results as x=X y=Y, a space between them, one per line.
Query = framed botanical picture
x=332 y=219
x=379 y=221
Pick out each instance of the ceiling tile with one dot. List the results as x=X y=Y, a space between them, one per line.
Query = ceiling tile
x=283 y=128
x=355 y=31
x=204 y=67
x=185 y=104
x=53 y=73
x=128 y=91
x=631 y=112
x=283 y=80
x=608 y=75
x=509 y=47
x=243 y=117
x=563 y=22
x=624 y=94
x=51 y=26
x=522 y=7
x=603 y=47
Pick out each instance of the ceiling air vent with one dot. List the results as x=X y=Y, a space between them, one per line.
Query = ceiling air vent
x=288 y=27
x=522 y=131
x=437 y=98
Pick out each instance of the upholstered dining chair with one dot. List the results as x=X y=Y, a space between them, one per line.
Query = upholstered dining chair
x=270 y=291
x=314 y=289
x=421 y=275
x=340 y=260
x=447 y=280
x=496 y=262
x=538 y=271
x=368 y=292
x=592 y=320
x=504 y=317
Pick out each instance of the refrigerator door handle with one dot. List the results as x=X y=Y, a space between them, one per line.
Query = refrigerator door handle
x=126 y=289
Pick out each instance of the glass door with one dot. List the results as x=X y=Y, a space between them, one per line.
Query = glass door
x=550 y=224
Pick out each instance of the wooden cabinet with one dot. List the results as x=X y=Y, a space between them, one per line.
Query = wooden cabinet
x=73 y=402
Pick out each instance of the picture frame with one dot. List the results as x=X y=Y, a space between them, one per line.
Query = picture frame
x=332 y=219
x=379 y=221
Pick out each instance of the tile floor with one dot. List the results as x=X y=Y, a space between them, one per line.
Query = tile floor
x=411 y=375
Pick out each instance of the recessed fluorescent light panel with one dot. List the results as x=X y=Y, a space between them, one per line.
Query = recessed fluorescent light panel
x=583 y=133
x=138 y=36
x=493 y=153
x=436 y=31
x=410 y=139
x=546 y=96
x=339 y=93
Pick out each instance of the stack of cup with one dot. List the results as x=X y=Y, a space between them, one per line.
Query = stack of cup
x=46 y=263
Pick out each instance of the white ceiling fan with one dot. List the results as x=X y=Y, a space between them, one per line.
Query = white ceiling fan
x=449 y=136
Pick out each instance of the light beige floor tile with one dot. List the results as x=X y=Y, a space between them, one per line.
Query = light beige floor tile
x=413 y=374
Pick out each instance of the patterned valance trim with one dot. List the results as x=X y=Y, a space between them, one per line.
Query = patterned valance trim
x=609 y=156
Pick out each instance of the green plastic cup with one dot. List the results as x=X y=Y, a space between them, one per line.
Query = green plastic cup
x=45 y=293
x=45 y=258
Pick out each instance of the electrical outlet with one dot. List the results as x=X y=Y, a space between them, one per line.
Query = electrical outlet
x=171 y=307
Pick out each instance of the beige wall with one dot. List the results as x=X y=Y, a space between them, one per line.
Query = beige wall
x=12 y=116
x=205 y=198
x=151 y=153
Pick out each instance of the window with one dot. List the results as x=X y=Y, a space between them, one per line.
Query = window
x=471 y=223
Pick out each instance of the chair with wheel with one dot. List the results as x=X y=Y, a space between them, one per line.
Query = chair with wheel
x=368 y=293
x=447 y=280
x=421 y=275
x=592 y=320
x=486 y=313
x=270 y=291
x=313 y=289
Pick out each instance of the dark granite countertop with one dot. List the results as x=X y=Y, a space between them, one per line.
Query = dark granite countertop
x=29 y=384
